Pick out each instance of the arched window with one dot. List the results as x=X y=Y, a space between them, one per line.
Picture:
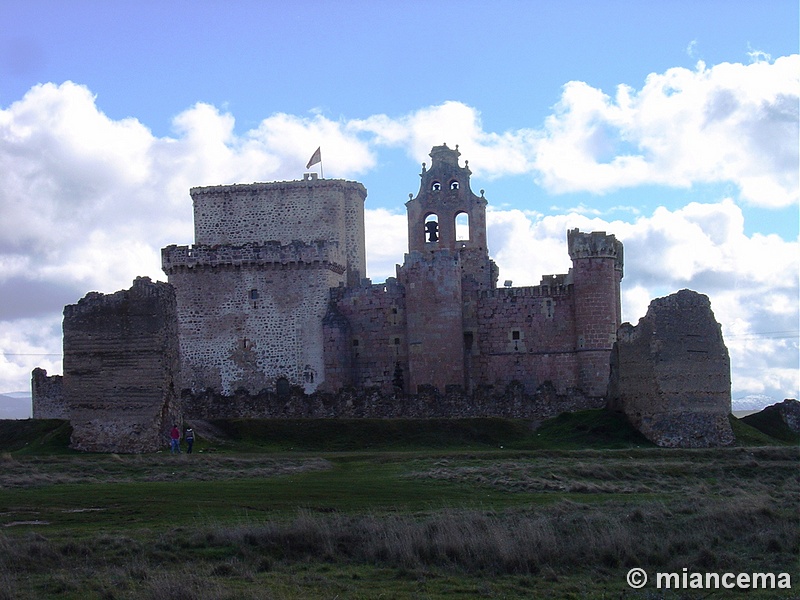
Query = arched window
x=432 y=228
x=462 y=227
x=436 y=186
x=454 y=185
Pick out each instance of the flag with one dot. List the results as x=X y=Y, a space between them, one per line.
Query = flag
x=315 y=158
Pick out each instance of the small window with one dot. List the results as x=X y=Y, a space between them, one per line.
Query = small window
x=396 y=341
x=515 y=335
x=454 y=185
x=355 y=343
x=253 y=294
x=436 y=186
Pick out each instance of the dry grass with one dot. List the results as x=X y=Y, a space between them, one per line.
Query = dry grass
x=590 y=517
x=113 y=468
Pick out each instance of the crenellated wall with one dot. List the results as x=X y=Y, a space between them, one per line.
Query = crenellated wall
x=308 y=210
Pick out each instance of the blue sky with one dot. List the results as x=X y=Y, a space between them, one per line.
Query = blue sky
x=672 y=124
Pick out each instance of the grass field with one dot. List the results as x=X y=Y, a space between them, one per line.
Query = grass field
x=399 y=509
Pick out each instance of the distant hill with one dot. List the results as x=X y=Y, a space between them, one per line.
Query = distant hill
x=15 y=405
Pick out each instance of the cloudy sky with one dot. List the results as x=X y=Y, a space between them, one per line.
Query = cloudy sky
x=673 y=125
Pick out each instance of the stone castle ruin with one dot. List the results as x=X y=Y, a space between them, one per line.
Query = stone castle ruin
x=269 y=314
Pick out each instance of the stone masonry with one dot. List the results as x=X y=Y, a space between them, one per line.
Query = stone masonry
x=120 y=360
x=670 y=374
x=268 y=314
x=254 y=288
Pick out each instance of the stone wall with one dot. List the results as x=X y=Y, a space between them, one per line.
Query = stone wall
x=120 y=357
x=47 y=396
x=365 y=338
x=308 y=211
x=526 y=335
x=248 y=327
x=434 y=319
x=511 y=402
x=671 y=374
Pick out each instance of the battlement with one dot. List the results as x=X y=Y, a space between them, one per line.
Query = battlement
x=309 y=180
x=318 y=254
x=596 y=244
x=533 y=291
x=143 y=288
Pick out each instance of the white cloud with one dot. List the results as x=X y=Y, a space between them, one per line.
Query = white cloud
x=88 y=201
x=731 y=122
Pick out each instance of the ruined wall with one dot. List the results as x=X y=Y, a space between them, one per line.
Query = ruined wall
x=120 y=356
x=47 y=396
x=671 y=374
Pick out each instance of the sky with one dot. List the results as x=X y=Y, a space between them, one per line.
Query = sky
x=673 y=125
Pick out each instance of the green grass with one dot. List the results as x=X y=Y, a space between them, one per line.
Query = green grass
x=584 y=429
x=473 y=508
x=769 y=423
x=589 y=429
x=33 y=436
x=422 y=524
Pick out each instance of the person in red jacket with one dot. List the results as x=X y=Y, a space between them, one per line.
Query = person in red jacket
x=175 y=440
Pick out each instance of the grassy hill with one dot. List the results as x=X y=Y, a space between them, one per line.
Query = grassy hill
x=770 y=423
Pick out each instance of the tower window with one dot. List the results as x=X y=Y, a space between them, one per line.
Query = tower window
x=453 y=185
x=515 y=335
x=436 y=186
x=253 y=294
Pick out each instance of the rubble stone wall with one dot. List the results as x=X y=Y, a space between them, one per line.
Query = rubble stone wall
x=511 y=402
x=671 y=374
x=120 y=357
x=47 y=396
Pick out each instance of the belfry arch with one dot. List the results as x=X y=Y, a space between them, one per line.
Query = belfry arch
x=462 y=226
x=445 y=196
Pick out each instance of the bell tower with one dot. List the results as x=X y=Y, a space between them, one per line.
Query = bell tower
x=446 y=266
x=447 y=215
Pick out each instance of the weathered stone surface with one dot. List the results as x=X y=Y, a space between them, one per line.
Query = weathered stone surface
x=120 y=361
x=47 y=396
x=511 y=402
x=671 y=374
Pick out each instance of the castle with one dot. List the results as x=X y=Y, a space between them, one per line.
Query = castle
x=269 y=314
x=273 y=290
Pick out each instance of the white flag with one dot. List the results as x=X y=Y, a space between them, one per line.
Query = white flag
x=315 y=158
